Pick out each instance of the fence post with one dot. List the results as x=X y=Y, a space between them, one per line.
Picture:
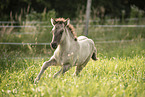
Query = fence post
x=87 y=17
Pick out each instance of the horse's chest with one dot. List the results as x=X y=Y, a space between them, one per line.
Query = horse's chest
x=65 y=57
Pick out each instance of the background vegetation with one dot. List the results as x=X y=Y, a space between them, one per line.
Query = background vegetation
x=67 y=8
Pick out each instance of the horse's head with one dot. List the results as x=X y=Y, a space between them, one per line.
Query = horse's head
x=58 y=31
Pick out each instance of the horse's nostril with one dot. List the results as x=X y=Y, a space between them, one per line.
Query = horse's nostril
x=54 y=45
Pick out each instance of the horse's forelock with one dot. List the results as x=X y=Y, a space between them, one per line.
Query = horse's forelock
x=69 y=26
x=60 y=20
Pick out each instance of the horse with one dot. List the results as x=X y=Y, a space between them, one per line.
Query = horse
x=70 y=50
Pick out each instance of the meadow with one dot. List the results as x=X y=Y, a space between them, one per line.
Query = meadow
x=119 y=72
x=115 y=77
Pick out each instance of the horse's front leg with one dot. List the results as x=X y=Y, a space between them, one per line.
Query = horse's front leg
x=51 y=62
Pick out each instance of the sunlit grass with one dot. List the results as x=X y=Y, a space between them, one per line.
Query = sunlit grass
x=105 y=77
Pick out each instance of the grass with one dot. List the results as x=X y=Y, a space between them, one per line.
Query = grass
x=115 y=77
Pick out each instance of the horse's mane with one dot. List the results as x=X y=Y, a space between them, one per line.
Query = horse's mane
x=69 y=26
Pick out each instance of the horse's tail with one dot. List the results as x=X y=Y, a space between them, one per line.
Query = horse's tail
x=94 y=57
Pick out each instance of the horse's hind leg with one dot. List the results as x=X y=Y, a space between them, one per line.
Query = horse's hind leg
x=63 y=70
x=80 y=67
x=51 y=62
x=78 y=70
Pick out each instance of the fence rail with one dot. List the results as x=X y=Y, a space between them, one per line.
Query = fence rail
x=12 y=43
x=23 y=26
x=28 y=22
x=98 y=42
x=118 y=25
x=43 y=22
x=77 y=25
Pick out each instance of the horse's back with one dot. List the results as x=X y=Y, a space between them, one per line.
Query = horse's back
x=84 y=40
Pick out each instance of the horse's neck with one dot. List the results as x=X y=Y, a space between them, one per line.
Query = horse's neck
x=68 y=41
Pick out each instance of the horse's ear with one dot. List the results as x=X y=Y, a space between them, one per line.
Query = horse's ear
x=53 y=21
x=67 y=22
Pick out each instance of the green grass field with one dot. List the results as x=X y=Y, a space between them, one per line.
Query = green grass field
x=119 y=72
x=115 y=77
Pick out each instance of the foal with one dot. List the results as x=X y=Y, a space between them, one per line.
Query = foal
x=70 y=50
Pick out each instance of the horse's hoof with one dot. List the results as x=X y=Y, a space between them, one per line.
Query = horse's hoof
x=97 y=58
x=36 y=81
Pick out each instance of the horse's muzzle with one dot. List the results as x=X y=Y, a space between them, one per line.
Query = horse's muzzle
x=53 y=45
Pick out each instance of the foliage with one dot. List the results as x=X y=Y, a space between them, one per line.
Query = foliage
x=67 y=8
x=43 y=17
x=136 y=12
